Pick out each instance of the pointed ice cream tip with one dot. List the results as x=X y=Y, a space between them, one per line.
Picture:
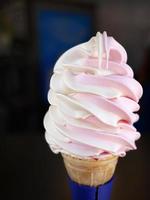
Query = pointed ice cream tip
x=102 y=48
x=105 y=48
x=99 y=48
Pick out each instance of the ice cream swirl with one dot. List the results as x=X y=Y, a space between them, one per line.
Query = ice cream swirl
x=93 y=98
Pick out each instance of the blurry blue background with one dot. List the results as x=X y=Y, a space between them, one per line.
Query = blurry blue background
x=33 y=34
x=57 y=31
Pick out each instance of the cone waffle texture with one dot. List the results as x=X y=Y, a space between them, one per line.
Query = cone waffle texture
x=91 y=172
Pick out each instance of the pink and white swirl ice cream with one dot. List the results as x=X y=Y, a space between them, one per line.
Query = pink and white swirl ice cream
x=94 y=100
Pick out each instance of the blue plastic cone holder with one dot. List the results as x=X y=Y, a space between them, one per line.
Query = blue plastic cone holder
x=83 y=192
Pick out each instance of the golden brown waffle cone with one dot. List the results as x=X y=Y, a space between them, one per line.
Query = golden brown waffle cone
x=90 y=172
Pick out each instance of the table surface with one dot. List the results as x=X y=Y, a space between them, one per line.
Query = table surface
x=29 y=170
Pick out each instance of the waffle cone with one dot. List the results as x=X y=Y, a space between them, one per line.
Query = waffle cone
x=90 y=172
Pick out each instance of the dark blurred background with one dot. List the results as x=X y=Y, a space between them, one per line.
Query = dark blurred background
x=33 y=34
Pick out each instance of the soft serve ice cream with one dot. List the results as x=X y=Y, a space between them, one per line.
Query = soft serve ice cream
x=93 y=98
